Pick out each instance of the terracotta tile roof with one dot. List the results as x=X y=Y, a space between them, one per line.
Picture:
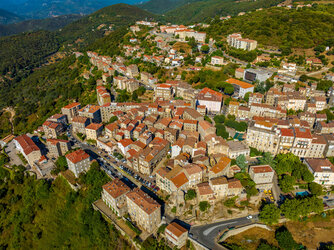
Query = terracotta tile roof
x=192 y=169
x=94 y=126
x=320 y=165
x=210 y=95
x=234 y=183
x=125 y=142
x=180 y=180
x=79 y=119
x=303 y=133
x=221 y=165
x=204 y=188
x=261 y=169
x=116 y=188
x=219 y=181
x=205 y=125
x=241 y=84
x=55 y=141
x=319 y=139
x=72 y=105
x=27 y=144
x=287 y=132
x=77 y=156
x=176 y=229
x=143 y=200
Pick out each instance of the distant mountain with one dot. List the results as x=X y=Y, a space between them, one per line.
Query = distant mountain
x=7 y=17
x=162 y=6
x=50 y=24
x=200 y=11
x=36 y=9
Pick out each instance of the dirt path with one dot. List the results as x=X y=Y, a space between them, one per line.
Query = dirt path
x=12 y=115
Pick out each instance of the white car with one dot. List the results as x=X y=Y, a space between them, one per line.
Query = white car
x=249 y=217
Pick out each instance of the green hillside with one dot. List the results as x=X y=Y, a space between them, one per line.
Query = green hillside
x=303 y=28
x=7 y=17
x=40 y=214
x=162 y=6
x=50 y=24
x=206 y=9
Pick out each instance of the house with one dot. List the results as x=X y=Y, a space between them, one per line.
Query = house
x=176 y=234
x=58 y=147
x=79 y=124
x=318 y=147
x=235 y=40
x=71 y=110
x=239 y=73
x=237 y=148
x=219 y=186
x=302 y=142
x=163 y=91
x=217 y=60
x=194 y=174
x=211 y=99
x=205 y=193
x=240 y=87
x=78 y=162
x=144 y=210
x=205 y=128
x=322 y=170
x=124 y=145
x=114 y=196
x=28 y=149
x=234 y=187
x=255 y=98
x=262 y=175
x=59 y=118
x=52 y=129
x=91 y=112
x=93 y=131
x=220 y=168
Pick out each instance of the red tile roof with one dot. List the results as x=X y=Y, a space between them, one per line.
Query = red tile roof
x=242 y=84
x=72 y=105
x=176 y=229
x=94 y=126
x=261 y=169
x=27 y=144
x=77 y=156
x=116 y=188
x=143 y=200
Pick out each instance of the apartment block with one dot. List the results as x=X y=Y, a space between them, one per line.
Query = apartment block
x=144 y=210
x=114 y=196
x=78 y=162
x=71 y=110
x=235 y=40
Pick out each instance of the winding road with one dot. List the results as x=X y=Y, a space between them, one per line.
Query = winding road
x=207 y=234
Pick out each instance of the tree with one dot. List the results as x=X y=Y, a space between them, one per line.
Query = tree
x=204 y=205
x=207 y=118
x=190 y=195
x=315 y=188
x=286 y=183
x=219 y=119
x=246 y=97
x=113 y=119
x=205 y=49
x=229 y=90
x=285 y=239
x=267 y=159
x=270 y=214
x=241 y=162
x=266 y=246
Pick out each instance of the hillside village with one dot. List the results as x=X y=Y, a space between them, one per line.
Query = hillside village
x=177 y=146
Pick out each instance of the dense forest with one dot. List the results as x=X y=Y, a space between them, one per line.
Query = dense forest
x=162 y=6
x=46 y=90
x=50 y=24
x=200 y=11
x=25 y=52
x=302 y=28
x=38 y=214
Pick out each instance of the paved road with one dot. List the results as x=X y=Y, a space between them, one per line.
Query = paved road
x=207 y=234
x=324 y=69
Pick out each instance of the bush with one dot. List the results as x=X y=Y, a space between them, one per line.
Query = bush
x=190 y=195
x=173 y=210
x=204 y=205
x=230 y=202
x=285 y=239
x=315 y=188
x=270 y=214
